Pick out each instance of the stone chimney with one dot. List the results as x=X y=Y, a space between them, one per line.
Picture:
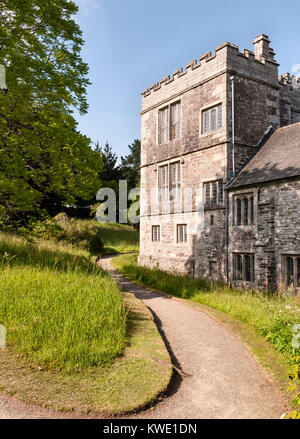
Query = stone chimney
x=262 y=47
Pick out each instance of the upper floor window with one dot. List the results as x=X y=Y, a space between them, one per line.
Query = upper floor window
x=155 y=233
x=243 y=210
x=181 y=233
x=212 y=119
x=213 y=193
x=169 y=181
x=169 y=122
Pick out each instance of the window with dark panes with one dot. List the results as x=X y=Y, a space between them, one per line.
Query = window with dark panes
x=243 y=267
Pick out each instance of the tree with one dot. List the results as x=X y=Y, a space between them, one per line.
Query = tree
x=130 y=164
x=44 y=161
x=110 y=170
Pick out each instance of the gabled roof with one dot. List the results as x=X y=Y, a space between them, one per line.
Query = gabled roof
x=277 y=159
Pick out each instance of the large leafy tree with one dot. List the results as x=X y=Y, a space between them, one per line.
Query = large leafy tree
x=44 y=161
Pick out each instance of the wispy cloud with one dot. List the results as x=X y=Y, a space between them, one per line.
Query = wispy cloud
x=86 y=7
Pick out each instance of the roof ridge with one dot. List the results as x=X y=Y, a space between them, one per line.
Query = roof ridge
x=288 y=126
x=270 y=131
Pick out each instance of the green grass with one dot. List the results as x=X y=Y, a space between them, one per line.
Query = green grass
x=119 y=238
x=271 y=317
x=47 y=292
x=75 y=342
x=132 y=381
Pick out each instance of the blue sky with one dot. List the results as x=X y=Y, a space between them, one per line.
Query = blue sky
x=130 y=44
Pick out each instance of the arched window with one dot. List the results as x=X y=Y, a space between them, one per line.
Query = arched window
x=245 y=211
x=247 y=264
x=238 y=212
x=289 y=271
x=251 y=207
x=239 y=267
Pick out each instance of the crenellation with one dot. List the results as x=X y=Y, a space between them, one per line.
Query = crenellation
x=262 y=100
x=226 y=56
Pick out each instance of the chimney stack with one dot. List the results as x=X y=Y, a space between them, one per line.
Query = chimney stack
x=262 y=48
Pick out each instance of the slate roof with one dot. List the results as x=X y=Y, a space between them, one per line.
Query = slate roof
x=277 y=159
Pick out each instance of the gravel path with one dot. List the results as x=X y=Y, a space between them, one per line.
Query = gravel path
x=217 y=376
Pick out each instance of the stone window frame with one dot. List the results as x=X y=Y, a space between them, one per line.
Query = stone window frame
x=169 y=195
x=295 y=258
x=219 y=190
x=239 y=220
x=168 y=107
x=203 y=111
x=155 y=233
x=184 y=233
x=239 y=273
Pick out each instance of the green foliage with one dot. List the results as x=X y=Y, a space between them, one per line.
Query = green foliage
x=84 y=234
x=87 y=235
x=110 y=171
x=130 y=164
x=271 y=317
x=60 y=311
x=295 y=386
x=44 y=161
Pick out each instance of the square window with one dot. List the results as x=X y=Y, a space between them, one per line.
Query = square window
x=213 y=193
x=212 y=119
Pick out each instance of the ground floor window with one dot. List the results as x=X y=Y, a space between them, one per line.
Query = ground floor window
x=291 y=270
x=181 y=233
x=155 y=233
x=243 y=267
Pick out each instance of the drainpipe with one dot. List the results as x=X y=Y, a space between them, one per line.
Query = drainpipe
x=232 y=121
x=226 y=234
x=226 y=189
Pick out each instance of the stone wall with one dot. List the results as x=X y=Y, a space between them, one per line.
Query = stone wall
x=276 y=230
x=260 y=101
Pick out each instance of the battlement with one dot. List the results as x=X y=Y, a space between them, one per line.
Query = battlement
x=291 y=80
x=225 y=56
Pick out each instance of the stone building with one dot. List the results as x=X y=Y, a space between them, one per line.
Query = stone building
x=199 y=129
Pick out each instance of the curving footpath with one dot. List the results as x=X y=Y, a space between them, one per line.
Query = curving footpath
x=215 y=374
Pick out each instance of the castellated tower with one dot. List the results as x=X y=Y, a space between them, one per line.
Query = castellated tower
x=187 y=147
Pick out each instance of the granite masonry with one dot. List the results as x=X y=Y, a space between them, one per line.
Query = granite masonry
x=201 y=129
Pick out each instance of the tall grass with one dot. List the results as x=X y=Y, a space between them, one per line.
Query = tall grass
x=119 y=238
x=97 y=238
x=271 y=317
x=59 y=310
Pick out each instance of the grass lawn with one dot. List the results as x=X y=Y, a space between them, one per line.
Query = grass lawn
x=74 y=340
x=263 y=322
